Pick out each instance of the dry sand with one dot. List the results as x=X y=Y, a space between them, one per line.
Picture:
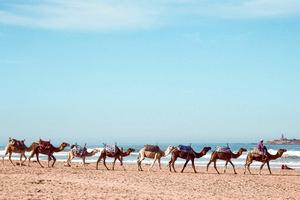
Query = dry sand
x=79 y=182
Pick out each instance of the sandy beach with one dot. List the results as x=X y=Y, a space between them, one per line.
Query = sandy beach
x=79 y=182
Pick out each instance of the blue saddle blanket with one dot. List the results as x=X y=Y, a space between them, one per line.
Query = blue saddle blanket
x=185 y=148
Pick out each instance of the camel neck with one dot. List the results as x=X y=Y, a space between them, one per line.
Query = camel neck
x=277 y=155
x=58 y=149
x=236 y=155
x=200 y=154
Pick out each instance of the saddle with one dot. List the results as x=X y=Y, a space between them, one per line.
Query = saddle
x=17 y=143
x=223 y=149
x=257 y=152
x=111 y=148
x=45 y=145
x=185 y=148
x=79 y=150
x=152 y=148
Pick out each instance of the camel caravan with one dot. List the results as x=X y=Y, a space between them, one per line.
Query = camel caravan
x=154 y=152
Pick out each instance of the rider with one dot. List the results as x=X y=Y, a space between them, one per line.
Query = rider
x=262 y=148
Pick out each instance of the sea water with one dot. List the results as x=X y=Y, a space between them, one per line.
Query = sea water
x=291 y=158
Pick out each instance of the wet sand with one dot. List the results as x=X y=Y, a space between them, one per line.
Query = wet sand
x=79 y=182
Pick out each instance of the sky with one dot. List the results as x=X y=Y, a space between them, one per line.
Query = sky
x=159 y=71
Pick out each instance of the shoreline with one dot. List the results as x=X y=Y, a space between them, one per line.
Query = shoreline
x=86 y=182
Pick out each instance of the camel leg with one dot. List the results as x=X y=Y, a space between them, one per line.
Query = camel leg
x=248 y=167
x=232 y=166
x=69 y=160
x=83 y=161
x=31 y=155
x=186 y=162
x=158 y=160
x=49 y=159
x=170 y=163
x=225 y=167
x=9 y=157
x=173 y=165
x=54 y=160
x=210 y=161
x=141 y=158
x=38 y=160
x=140 y=164
x=104 y=163
x=215 y=166
x=269 y=167
x=121 y=162
x=114 y=162
x=152 y=164
x=261 y=167
x=21 y=156
x=99 y=159
x=193 y=165
x=25 y=158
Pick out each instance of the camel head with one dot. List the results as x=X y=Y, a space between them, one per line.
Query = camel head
x=95 y=151
x=64 y=145
x=130 y=150
x=169 y=150
x=281 y=151
x=206 y=149
x=242 y=150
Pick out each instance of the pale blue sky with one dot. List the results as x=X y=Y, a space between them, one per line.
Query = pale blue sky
x=149 y=71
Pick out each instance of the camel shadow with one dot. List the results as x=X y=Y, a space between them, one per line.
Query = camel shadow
x=291 y=175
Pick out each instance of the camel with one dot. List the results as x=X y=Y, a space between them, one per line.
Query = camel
x=118 y=154
x=156 y=155
x=258 y=157
x=17 y=146
x=45 y=147
x=227 y=156
x=187 y=156
x=73 y=154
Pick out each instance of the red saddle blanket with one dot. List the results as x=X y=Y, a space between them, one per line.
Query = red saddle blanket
x=152 y=148
x=45 y=145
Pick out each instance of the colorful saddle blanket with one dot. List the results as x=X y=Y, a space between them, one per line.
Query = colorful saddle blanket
x=223 y=149
x=45 y=145
x=185 y=148
x=111 y=148
x=152 y=148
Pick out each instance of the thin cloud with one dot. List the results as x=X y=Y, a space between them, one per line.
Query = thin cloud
x=135 y=14
x=82 y=15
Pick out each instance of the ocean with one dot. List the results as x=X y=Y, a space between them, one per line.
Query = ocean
x=291 y=158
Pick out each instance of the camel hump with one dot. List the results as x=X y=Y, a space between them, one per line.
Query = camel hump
x=152 y=148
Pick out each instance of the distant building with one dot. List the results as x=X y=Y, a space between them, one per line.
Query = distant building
x=284 y=140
